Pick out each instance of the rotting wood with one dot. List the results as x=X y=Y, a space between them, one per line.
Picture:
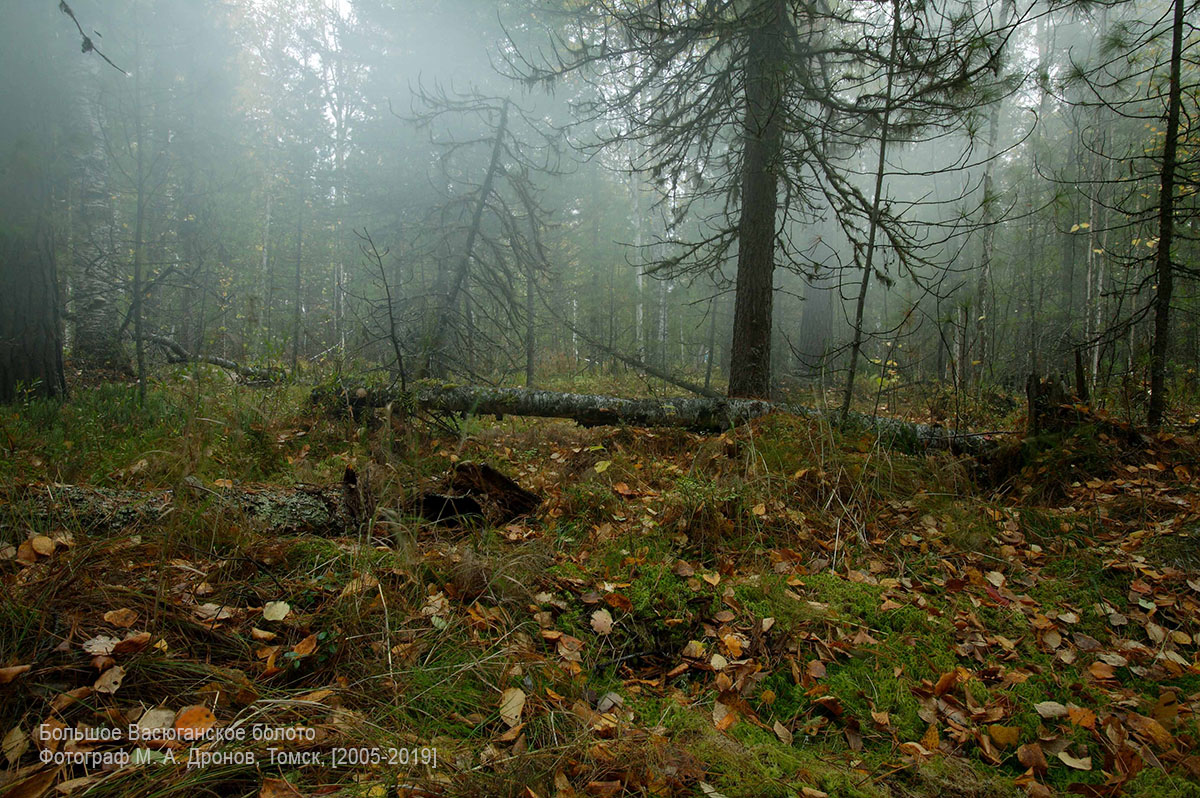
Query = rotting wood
x=477 y=489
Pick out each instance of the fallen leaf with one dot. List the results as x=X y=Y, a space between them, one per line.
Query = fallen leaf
x=14 y=744
x=305 y=647
x=1082 y=717
x=133 y=642
x=278 y=788
x=1150 y=729
x=1004 y=736
x=42 y=544
x=156 y=718
x=192 y=722
x=602 y=466
x=123 y=618
x=10 y=673
x=512 y=703
x=213 y=612
x=1078 y=763
x=276 y=610
x=110 y=681
x=100 y=645
x=359 y=584
x=602 y=621
x=1050 y=709
x=1030 y=755
x=34 y=785
x=782 y=733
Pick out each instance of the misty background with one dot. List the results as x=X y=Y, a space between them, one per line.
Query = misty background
x=552 y=194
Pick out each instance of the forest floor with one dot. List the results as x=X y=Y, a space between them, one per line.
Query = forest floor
x=781 y=610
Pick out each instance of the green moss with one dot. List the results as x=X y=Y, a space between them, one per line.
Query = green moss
x=1153 y=783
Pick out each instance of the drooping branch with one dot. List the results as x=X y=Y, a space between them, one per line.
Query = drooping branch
x=177 y=354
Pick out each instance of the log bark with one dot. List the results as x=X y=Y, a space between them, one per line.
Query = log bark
x=315 y=509
x=699 y=414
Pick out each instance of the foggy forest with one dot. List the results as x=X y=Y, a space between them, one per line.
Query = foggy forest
x=554 y=398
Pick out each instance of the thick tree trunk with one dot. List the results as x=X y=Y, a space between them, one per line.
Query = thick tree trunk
x=701 y=414
x=30 y=333
x=750 y=372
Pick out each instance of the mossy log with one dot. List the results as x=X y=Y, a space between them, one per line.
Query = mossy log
x=700 y=414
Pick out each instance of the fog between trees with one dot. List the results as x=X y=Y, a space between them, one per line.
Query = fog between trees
x=884 y=202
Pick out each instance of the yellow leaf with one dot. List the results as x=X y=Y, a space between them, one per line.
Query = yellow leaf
x=512 y=704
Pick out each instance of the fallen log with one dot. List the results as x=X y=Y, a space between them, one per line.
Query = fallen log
x=177 y=354
x=700 y=414
x=314 y=509
x=473 y=489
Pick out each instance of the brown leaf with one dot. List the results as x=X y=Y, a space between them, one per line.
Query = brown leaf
x=782 y=733
x=14 y=744
x=945 y=683
x=932 y=740
x=278 y=788
x=1082 y=717
x=42 y=544
x=1030 y=755
x=305 y=647
x=110 y=681
x=34 y=785
x=619 y=601
x=1150 y=729
x=1166 y=709
x=123 y=618
x=133 y=642
x=9 y=674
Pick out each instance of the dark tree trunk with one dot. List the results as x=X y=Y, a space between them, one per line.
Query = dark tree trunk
x=1166 y=233
x=30 y=332
x=750 y=369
